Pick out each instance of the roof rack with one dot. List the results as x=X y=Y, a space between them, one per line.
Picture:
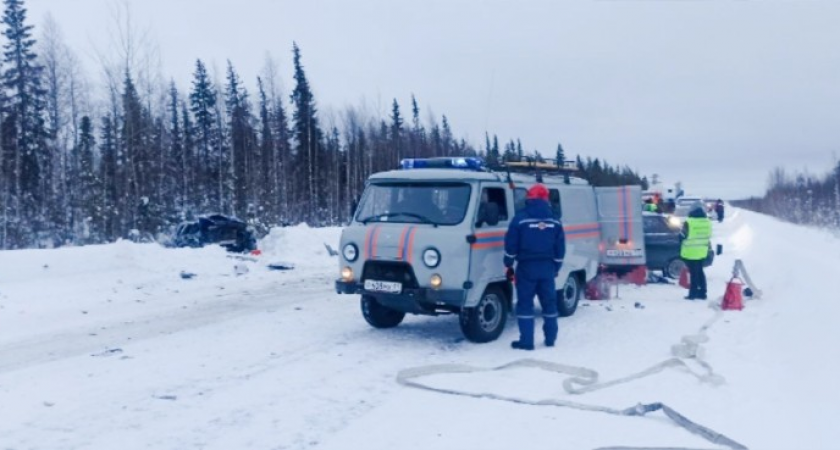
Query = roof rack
x=528 y=166
x=531 y=166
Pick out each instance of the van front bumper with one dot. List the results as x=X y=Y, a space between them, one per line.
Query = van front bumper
x=410 y=300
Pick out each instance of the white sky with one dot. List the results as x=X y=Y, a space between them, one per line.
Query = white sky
x=714 y=93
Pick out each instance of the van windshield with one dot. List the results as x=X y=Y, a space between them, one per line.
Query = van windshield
x=432 y=203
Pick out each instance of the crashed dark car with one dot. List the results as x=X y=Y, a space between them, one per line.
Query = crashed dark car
x=229 y=232
x=662 y=244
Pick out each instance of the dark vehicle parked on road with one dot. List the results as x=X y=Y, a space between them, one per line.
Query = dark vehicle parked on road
x=662 y=245
x=229 y=232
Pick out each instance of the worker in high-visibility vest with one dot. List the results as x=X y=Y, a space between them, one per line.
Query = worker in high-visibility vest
x=694 y=249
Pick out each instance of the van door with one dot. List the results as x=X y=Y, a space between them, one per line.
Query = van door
x=622 y=231
x=491 y=221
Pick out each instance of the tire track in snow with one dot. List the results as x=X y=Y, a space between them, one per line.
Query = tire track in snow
x=102 y=337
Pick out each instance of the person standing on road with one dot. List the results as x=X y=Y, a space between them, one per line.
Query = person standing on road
x=719 y=210
x=535 y=241
x=694 y=248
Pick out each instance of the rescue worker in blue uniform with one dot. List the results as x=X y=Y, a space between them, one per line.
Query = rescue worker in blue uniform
x=536 y=243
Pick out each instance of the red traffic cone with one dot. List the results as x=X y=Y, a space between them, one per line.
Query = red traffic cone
x=732 y=298
x=685 y=278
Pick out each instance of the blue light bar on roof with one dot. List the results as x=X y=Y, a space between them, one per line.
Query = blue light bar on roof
x=466 y=163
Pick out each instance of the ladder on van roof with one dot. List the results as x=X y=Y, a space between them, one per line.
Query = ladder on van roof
x=538 y=169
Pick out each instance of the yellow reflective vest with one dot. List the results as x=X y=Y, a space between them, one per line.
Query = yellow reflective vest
x=695 y=246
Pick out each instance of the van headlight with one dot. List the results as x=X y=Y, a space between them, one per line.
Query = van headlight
x=351 y=252
x=436 y=281
x=347 y=274
x=431 y=258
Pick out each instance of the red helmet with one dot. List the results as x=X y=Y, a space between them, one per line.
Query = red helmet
x=537 y=192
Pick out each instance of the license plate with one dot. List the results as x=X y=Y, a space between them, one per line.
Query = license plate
x=383 y=286
x=624 y=253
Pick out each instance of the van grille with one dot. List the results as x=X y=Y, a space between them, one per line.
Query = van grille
x=390 y=271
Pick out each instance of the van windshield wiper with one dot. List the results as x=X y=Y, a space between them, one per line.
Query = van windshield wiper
x=379 y=217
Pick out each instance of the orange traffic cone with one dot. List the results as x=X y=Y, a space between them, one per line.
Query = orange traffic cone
x=685 y=278
x=732 y=298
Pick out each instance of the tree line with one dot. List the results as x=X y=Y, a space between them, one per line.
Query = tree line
x=800 y=198
x=80 y=167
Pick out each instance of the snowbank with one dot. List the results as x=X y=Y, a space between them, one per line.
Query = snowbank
x=107 y=347
x=301 y=245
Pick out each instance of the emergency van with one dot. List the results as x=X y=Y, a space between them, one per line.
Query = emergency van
x=429 y=239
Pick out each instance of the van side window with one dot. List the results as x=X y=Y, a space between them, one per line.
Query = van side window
x=496 y=196
x=519 y=196
x=556 y=207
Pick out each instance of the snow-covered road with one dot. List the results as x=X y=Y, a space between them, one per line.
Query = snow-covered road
x=106 y=347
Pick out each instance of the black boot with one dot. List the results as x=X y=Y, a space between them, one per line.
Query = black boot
x=521 y=346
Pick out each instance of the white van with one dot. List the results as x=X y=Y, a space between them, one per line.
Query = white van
x=429 y=239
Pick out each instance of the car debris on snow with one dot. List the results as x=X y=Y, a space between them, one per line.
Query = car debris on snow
x=240 y=269
x=187 y=275
x=281 y=266
x=108 y=352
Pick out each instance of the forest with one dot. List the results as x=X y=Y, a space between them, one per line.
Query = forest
x=130 y=154
x=800 y=198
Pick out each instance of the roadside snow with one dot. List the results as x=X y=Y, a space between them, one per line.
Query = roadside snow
x=107 y=347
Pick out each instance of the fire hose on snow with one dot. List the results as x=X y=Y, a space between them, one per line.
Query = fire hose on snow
x=581 y=380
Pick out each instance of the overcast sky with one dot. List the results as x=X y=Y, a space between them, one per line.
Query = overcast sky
x=713 y=93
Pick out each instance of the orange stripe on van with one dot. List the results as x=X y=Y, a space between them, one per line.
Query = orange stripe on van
x=490 y=234
x=485 y=245
x=401 y=246
x=591 y=234
x=375 y=241
x=411 y=244
x=366 y=250
x=581 y=226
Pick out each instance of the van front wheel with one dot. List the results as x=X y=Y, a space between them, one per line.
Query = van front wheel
x=379 y=316
x=485 y=321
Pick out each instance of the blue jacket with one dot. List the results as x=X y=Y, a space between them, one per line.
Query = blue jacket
x=535 y=235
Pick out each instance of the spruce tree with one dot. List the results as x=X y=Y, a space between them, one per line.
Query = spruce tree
x=267 y=188
x=241 y=140
x=180 y=167
x=308 y=136
x=396 y=130
x=87 y=184
x=560 y=156
x=133 y=166
x=108 y=210
x=282 y=136
x=418 y=133
x=192 y=166
x=446 y=136
x=30 y=159
x=208 y=154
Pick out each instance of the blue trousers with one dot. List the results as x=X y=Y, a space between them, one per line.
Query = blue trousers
x=526 y=289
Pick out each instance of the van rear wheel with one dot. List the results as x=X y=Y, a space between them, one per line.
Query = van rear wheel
x=568 y=297
x=379 y=316
x=485 y=321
